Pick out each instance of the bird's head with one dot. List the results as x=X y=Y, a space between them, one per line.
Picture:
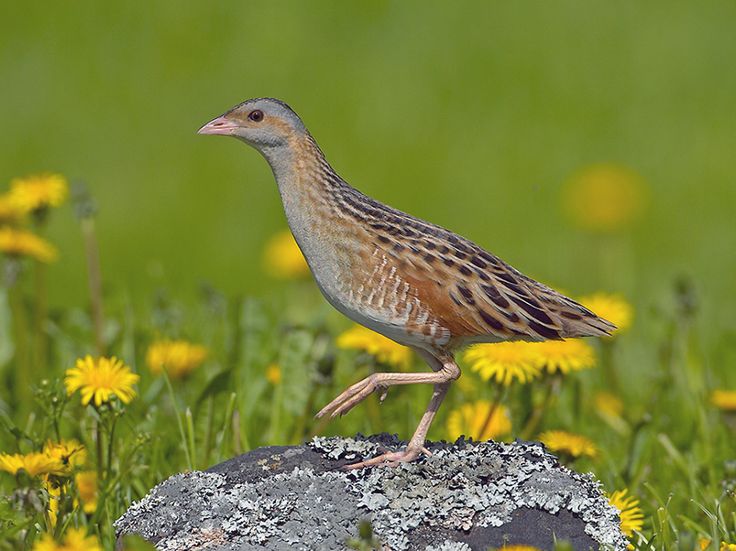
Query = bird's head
x=262 y=123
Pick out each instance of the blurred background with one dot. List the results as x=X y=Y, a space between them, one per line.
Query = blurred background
x=488 y=118
x=591 y=145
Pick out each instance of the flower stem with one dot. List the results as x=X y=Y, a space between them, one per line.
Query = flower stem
x=99 y=447
x=553 y=386
x=18 y=313
x=190 y=436
x=277 y=400
x=210 y=429
x=41 y=310
x=607 y=365
x=178 y=421
x=491 y=412
x=222 y=437
x=110 y=443
x=91 y=250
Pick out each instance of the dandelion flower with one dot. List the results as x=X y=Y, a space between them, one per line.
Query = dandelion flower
x=609 y=404
x=504 y=362
x=382 y=348
x=629 y=512
x=86 y=483
x=70 y=453
x=9 y=213
x=99 y=379
x=38 y=191
x=76 y=539
x=470 y=420
x=178 y=358
x=282 y=257
x=46 y=543
x=563 y=356
x=612 y=307
x=724 y=399
x=54 y=492
x=570 y=444
x=605 y=197
x=518 y=548
x=15 y=242
x=273 y=374
x=34 y=463
x=704 y=543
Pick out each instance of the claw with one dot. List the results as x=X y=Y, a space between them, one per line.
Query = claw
x=389 y=459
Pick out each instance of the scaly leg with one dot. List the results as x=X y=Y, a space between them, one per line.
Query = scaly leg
x=416 y=445
x=445 y=371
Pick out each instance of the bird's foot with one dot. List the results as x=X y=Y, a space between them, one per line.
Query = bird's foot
x=353 y=395
x=391 y=459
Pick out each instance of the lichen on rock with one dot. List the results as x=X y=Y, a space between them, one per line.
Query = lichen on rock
x=467 y=495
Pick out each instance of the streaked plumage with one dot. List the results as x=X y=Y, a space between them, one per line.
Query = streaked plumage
x=412 y=281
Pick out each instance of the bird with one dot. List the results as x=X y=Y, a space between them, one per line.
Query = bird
x=417 y=283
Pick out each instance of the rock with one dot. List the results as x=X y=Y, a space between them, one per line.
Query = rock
x=466 y=496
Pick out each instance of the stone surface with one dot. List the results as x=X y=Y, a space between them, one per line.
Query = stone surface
x=466 y=496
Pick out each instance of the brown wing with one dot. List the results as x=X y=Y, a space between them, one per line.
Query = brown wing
x=472 y=293
x=478 y=297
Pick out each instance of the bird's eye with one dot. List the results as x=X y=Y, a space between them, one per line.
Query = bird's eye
x=256 y=116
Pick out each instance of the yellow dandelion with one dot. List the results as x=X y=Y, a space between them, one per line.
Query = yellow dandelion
x=86 y=483
x=273 y=374
x=518 y=547
x=563 y=356
x=567 y=443
x=472 y=421
x=76 y=539
x=605 y=197
x=282 y=257
x=724 y=399
x=612 y=307
x=504 y=362
x=609 y=404
x=15 y=242
x=70 y=453
x=38 y=191
x=54 y=492
x=629 y=512
x=100 y=378
x=9 y=213
x=46 y=543
x=382 y=348
x=179 y=357
x=34 y=463
x=704 y=543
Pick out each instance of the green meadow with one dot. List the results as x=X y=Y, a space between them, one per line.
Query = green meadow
x=590 y=145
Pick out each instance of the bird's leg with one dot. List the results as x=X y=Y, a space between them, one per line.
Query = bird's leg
x=358 y=392
x=416 y=445
x=446 y=371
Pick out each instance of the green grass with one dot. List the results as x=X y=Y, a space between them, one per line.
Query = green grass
x=671 y=449
x=472 y=115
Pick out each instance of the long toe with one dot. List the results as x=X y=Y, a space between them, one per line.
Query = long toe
x=349 y=398
x=389 y=459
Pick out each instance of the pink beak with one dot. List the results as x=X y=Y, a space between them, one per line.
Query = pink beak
x=220 y=125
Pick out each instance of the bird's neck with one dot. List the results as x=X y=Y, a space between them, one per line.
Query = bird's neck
x=305 y=180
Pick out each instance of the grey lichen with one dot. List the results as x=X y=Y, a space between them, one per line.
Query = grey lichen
x=465 y=496
x=448 y=545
